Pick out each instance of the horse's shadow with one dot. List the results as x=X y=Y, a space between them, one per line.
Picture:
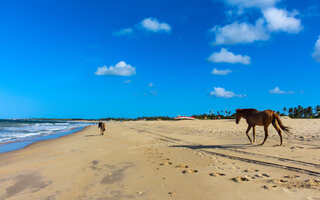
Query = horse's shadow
x=227 y=146
x=91 y=135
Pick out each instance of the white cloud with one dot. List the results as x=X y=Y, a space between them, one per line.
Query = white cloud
x=277 y=90
x=126 y=31
x=221 y=72
x=252 y=3
x=153 y=25
x=226 y=56
x=120 y=69
x=237 y=33
x=316 y=53
x=273 y=20
x=150 y=84
x=282 y=20
x=127 y=81
x=222 y=93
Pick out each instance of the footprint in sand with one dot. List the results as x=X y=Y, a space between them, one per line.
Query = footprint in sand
x=311 y=183
x=189 y=171
x=277 y=181
x=291 y=176
x=240 y=179
x=261 y=176
x=182 y=166
x=258 y=175
x=172 y=193
x=235 y=167
x=268 y=187
x=215 y=174
x=166 y=163
x=220 y=168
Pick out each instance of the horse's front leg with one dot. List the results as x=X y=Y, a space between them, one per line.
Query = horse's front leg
x=248 y=129
x=265 y=135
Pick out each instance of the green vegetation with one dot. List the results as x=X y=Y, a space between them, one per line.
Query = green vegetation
x=296 y=112
x=220 y=115
x=139 y=118
x=301 y=112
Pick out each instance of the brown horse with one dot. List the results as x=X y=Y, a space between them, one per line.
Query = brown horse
x=102 y=127
x=261 y=118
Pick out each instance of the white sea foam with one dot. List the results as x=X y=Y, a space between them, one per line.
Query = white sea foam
x=13 y=131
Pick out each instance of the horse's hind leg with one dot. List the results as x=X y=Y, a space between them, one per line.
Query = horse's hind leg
x=279 y=131
x=249 y=127
x=265 y=135
x=254 y=133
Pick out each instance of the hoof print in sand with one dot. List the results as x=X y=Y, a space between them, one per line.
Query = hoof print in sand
x=215 y=174
x=240 y=179
x=189 y=171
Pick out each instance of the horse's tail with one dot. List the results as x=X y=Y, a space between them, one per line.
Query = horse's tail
x=284 y=128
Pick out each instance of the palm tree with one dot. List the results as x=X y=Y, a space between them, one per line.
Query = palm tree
x=285 y=110
x=309 y=111
x=290 y=112
x=317 y=109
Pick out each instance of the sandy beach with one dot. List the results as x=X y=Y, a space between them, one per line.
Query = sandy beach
x=167 y=160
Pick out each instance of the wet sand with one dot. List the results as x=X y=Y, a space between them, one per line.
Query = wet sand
x=167 y=160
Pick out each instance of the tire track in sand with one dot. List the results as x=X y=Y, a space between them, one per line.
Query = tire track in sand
x=227 y=153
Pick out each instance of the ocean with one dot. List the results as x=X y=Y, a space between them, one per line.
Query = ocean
x=16 y=134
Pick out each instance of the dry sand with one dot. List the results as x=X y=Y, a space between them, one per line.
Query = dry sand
x=167 y=160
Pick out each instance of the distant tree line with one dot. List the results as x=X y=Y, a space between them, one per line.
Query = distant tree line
x=138 y=118
x=301 y=112
x=295 y=112
x=219 y=115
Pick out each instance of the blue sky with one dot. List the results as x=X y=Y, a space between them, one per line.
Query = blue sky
x=130 y=58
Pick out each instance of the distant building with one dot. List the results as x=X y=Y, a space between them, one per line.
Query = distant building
x=185 y=117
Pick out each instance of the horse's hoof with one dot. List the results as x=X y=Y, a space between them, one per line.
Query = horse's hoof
x=261 y=144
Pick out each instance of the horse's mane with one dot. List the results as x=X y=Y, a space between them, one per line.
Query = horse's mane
x=250 y=109
x=247 y=110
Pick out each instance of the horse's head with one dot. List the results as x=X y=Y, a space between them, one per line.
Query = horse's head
x=238 y=115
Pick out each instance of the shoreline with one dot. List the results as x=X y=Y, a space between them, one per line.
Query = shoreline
x=22 y=144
